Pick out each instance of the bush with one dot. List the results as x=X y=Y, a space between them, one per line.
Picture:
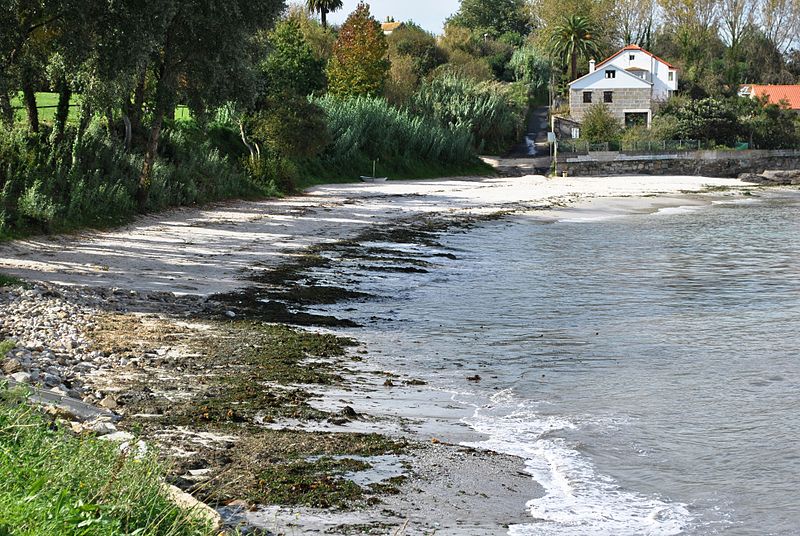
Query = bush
x=93 y=181
x=494 y=113
x=704 y=119
x=364 y=129
x=599 y=125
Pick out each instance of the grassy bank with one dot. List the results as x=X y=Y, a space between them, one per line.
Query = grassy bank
x=58 y=483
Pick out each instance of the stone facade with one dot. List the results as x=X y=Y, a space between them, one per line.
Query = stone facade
x=623 y=99
x=702 y=163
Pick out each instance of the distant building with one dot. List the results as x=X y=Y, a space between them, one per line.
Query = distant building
x=630 y=83
x=390 y=26
x=788 y=95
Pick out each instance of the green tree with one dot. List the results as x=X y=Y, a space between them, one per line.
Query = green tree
x=531 y=67
x=412 y=41
x=323 y=7
x=359 y=65
x=573 y=38
x=291 y=65
x=708 y=119
x=599 y=125
x=494 y=17
x=206 y=49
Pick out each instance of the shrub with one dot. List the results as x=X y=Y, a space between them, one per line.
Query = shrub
x=364 y=129
x=704 y=119
x=494 y=113
x=599 y=125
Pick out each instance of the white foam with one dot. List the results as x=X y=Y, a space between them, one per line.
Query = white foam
x=684 y=209
x=577 y=500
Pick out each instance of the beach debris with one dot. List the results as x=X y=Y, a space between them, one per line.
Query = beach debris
x=475 y=378
x=388 y=383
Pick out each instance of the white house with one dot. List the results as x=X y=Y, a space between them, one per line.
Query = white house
x=629 y=83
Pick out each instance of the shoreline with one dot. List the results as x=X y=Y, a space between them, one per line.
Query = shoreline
x=326 y=217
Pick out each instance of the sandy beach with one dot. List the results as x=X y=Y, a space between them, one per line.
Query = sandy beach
x=210 y=250
x=197 y=254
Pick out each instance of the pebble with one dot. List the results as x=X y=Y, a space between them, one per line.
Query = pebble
x=21 y=377
x=103 y=428
x=109 y=403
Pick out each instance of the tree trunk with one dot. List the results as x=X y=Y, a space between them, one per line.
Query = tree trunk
x=29 y=96
x=6 y=112
x=574 y=66
x=62 y=111
x=165 y=96
x=136 y=108
x=324 y=13
x=83 y=124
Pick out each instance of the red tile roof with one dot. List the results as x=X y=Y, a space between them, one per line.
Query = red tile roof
x=636 y=47
x=776 y=94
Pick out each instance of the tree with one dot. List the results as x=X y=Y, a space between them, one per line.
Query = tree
x=206 y=49
x=575 y=37
x=531 y=67
x=317 y=37
x=494 y=17
x=291 y=65
x=412 y=41
x=705 y=119
x=780 y=21
x=636 y=22
x=599 y=125
x=359 y=65
x=323 y=7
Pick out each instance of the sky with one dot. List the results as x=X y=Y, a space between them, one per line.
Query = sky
x=430 y=14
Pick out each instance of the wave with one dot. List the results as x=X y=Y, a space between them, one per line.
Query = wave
x=577 y=500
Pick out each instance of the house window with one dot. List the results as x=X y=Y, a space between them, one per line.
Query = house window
x=631 y=57
x=587 y=97
x=608 y=96
x=611 y=74
x=671 y=76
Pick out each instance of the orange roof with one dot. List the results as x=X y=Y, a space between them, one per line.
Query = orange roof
x=776 y=94
x=636 y=47
x=390 y=26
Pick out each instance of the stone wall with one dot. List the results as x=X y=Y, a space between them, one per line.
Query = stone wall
x=703 y=163
x=623 y=99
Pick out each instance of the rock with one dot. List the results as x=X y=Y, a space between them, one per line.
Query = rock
x=349 y=412
x=103 y=428
x=230 y=314
x=109 y=403
x=118 y=437
x=195 y=508
x=475 y=378
x=12 y=365
x=51 y=380
x=21 y=377
x=388 y=383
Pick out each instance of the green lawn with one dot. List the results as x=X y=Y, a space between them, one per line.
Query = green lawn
x=47 y=103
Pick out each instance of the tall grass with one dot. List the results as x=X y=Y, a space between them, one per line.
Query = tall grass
x=493 y=112
x=46 y=187
x=366 y=129
x=54 y=483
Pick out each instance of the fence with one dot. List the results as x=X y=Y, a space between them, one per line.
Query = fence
x=641 y=146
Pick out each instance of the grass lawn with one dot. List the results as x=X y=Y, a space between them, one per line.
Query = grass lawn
x=47 y=102
x=56 y=483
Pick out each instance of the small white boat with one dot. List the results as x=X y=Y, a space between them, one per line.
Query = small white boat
x=373 y=178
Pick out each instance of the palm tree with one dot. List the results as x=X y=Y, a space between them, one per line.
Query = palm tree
x=574 y=37
x=323 y=7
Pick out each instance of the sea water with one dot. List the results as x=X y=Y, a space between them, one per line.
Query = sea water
x=645 y=367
